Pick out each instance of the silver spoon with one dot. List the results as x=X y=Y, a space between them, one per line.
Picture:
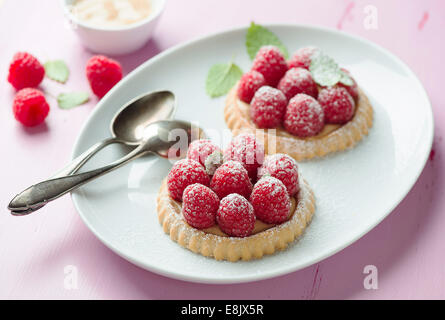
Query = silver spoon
x=126 y=127
x=163 y=138
x=128 y=123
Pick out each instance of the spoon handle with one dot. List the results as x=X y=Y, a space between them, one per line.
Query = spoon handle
x=75 y=165
x=80 y=160
x=36 y=196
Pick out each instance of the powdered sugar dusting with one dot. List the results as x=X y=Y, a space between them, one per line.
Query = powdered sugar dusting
x=302 y=57
x=199 y=206
x=235 y=216
x=270 y=200
x=270 y=62
x=246 y=149
x=284 y=168
x=304 y=116
x=332 y=138
x=199 y=150
x=249 y=83
x=268 y=107
x=231 y=177
x=184 y=173
x=338 y=104
x=222 y=246
x=298 y=80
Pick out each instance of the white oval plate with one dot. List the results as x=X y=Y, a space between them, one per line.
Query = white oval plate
x=355 y=189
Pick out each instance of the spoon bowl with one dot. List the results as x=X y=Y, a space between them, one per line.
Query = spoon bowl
x=129 y=122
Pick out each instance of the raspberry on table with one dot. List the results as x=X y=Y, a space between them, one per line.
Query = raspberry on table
x=270 y=200
x=30 y=107
x=249 y=83
x=352 y=89
x=199 y=150
x=268 y=107
x=270 y=62
x=337 y=104
x=304 y=116
x=184 y=173
x=25 y=71
x=236 y=216
x=103 y=73
x=199 y=206
x=213 y=162
x=298 y=80
x=245 y=148
x=302 y=58
x=231 y=177
x=284 y=168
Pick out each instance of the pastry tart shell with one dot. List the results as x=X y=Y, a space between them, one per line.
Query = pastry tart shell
x=223 y=247
x=333 y=137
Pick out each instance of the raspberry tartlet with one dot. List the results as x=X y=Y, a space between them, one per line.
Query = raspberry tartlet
x=230 y=213
x=299 y=116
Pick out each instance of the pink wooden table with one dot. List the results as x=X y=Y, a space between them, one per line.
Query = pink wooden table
x=407 y=247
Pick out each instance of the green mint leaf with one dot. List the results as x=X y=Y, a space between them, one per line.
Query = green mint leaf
x=326 y=71
x=345 y=79
x=258 y=36
x=57 y=70
x=221 y=78
x=72 y=99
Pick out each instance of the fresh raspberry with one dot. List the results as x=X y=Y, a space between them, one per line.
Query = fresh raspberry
x=231 y=177
x=352 y=89
x=284 y=168
x=199 y=206
x=270 y=62
x=236 y=216
x=304 y=116
x=337 y=104
x=199 y=150
x=103 y=73
x=184 y=173
x=250 y=82
x=30 y=107
x=270 y=200
x=213 y=162
x=298 y=80
x=246 y=149
x=25 y=71
x=302 y=58
x=268 y=107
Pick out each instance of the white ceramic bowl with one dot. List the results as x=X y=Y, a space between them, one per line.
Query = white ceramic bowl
x=115 y=40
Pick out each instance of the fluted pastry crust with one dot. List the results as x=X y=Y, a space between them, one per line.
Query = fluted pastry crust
x=333 y=137
x=219 y=246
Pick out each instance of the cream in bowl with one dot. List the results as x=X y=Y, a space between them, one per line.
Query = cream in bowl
x=113 y=27
x=111 y=13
